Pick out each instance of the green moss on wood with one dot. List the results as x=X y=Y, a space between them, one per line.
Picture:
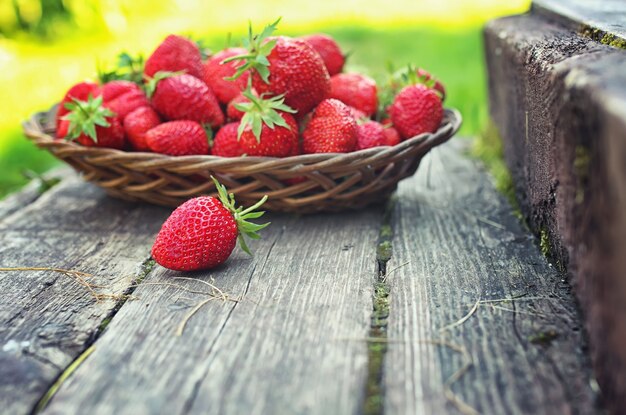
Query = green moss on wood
x=603 y=37
x=582 y=159
x=544 y=242
x=489 y=149
x=544 y=338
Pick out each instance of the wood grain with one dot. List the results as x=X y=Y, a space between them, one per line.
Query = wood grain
x=294 y=344
x=47 y=319
x=462 y=244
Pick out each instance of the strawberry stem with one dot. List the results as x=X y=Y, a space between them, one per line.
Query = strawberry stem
x=84 y=116
x=259 y=48
x=261 y=111
x=241 y=216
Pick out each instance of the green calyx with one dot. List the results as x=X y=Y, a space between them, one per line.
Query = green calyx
x=127 y=68
x=151 y=83
x=259 y=49
x=241 y=215
x=84 y=116
x=261 y=111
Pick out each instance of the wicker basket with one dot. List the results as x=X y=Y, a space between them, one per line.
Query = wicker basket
x=319 y=182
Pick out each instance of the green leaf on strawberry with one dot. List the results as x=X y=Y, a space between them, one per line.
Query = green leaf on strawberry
x=127 y=68
x=85 y=115
x=259 y=47
x=261 y=111
x=241 y=215
x=151 y=82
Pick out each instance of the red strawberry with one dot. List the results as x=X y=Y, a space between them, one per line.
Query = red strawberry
x=91 y=124
x=282 y=65
x=332 y=129
x=370 y=134
x=356 y=90
x=80 y=91
x=391 y=134
x=329 y=50
x=175 y=53
x=226 y=142
x=115 y=89
x=267 y=128
x=183 y=97
x=178 y=138
x=426 y=77
x=416 y=109
x=215 y=71
x=358 y=114
x=232 y=113
x=137 y=124
x=202 y=232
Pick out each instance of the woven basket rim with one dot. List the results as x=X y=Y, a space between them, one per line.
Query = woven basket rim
x=450 y=124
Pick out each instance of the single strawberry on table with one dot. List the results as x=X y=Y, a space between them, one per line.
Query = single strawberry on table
x=91 y=124
x=175 y=53
x=137 y=124
x=356 y=90
x=332 y=129
x=216 y=70
x=184 y=97
x=417 y=109
x=202 y=232
x=178 y=138
x=267 y=127
x=329 y=51
x=285 y=66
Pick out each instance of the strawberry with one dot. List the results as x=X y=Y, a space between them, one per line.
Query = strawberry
x=356 y=90
x=175 y=53
x=416 y=109
x=391 y=134
x=115 y=89
x=178 y=138
x=267 y=127
x=370 y=134
x=329 y=51
x=215 y=71
x=123 y=97
x=358 y=114
x=332 y=129
x=80 y=91
x=184 y=97
x=226 y=142
x=232 y=113
x=282 y=65
x=426 y=78
x=202 y=232
x=137 y=124
x=91 y=124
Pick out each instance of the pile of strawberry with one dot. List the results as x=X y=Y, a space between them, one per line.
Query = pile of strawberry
x=276 y=96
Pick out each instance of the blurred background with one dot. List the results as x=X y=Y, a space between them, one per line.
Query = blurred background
x=48 y=45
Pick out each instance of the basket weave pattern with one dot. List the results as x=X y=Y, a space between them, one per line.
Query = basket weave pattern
x=320 y=182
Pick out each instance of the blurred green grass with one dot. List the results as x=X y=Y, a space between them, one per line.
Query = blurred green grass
x=453 y=55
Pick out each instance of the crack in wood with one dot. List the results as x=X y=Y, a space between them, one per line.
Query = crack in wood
x=373 y=403
x=145 y=268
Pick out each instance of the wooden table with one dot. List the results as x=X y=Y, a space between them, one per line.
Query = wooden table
x=466 y=315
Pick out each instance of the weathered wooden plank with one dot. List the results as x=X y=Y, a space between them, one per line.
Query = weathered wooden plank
x=295 y=342
x=461 y=244
x=29 y=193
x=47 y=319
